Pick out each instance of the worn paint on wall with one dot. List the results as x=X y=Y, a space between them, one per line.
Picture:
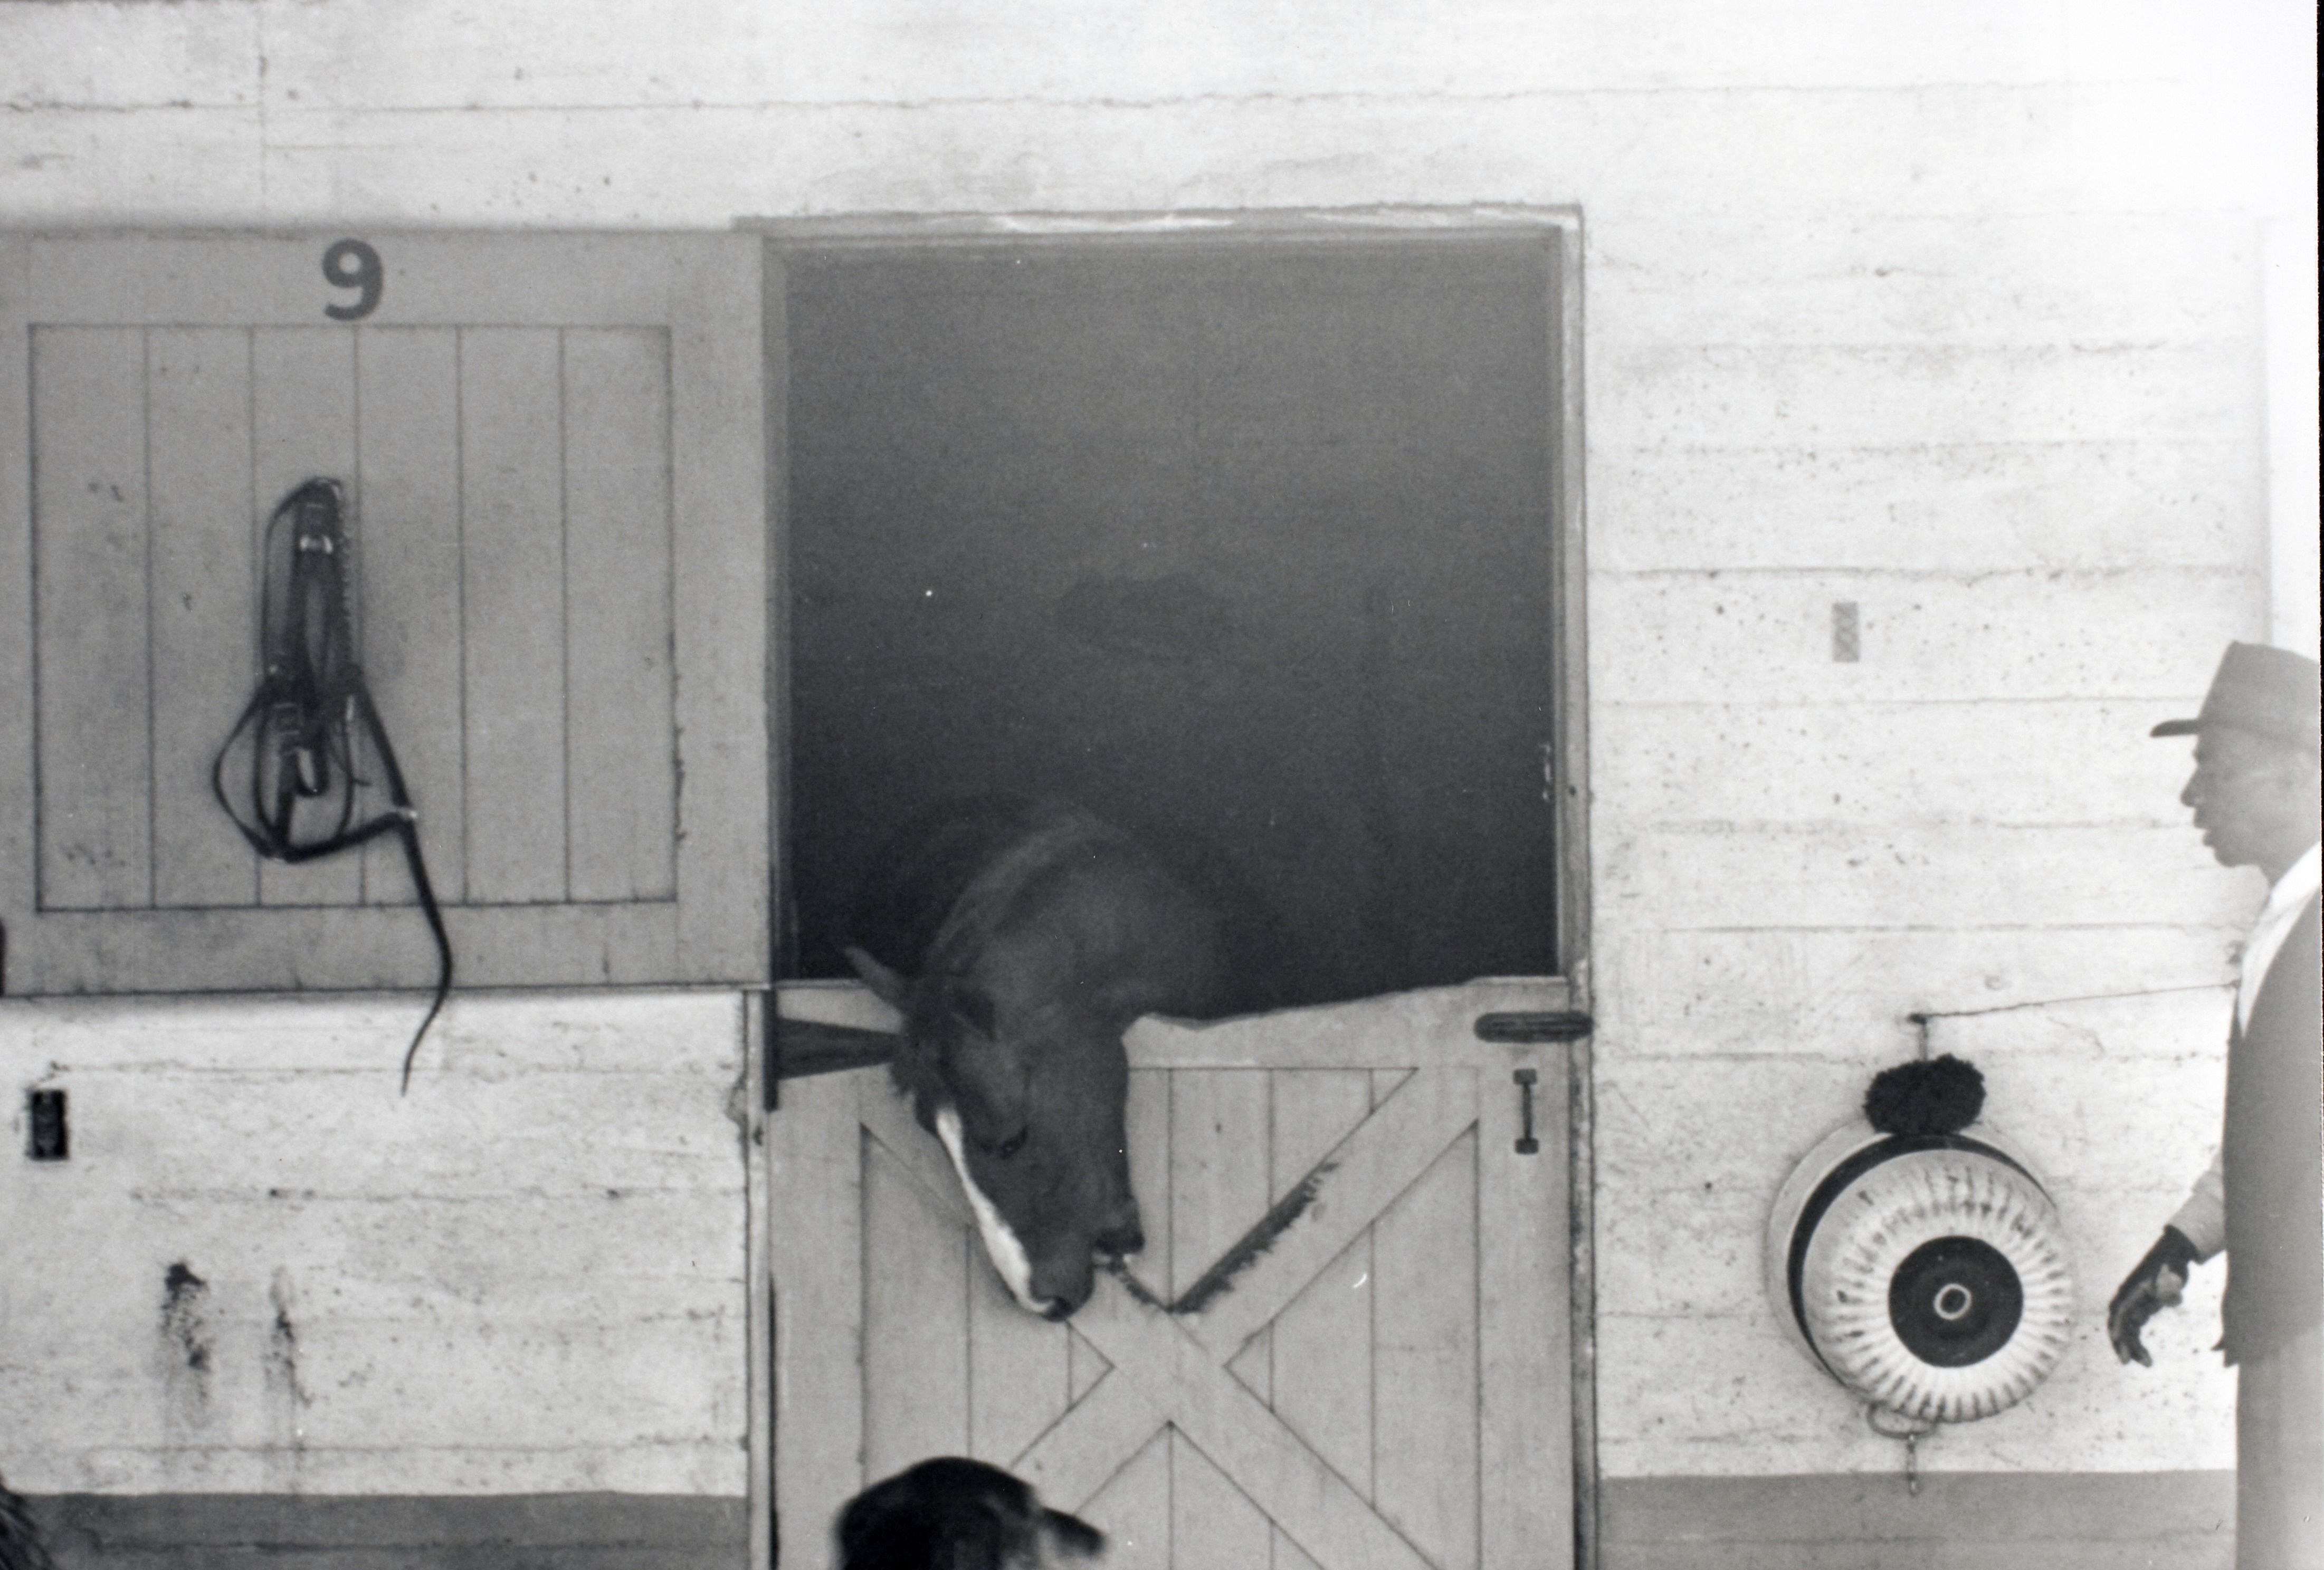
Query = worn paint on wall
x=1948 y=312
x=263 y=1270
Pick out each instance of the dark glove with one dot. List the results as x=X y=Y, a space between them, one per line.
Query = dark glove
x=2154 y=1283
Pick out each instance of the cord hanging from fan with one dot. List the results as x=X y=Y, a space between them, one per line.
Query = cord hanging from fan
x=312 y=720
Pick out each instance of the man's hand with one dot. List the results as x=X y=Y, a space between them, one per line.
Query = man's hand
x=2152 y=1284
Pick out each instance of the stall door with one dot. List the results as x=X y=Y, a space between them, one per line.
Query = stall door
x=551 y=448
x=1385 y=1388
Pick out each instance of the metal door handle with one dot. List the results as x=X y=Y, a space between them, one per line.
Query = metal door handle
x=1530 y=1029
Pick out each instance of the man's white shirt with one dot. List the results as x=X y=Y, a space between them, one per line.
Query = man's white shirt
x=2203 y=1219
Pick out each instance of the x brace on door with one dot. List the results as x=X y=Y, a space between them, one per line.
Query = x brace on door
x=1172 y=1369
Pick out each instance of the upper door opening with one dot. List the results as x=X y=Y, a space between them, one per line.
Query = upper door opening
x=1253 y=544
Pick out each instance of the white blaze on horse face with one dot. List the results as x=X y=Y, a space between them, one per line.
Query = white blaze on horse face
x=1000 y=1242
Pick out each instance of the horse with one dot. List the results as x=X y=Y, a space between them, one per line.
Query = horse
x=1019 y=940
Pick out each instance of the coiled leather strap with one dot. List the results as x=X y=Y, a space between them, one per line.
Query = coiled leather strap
x=302 y=724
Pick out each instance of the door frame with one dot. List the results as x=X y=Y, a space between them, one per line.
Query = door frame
x=1567 y=777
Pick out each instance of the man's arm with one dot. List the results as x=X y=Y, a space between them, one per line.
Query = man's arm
x=2196 y=1232
x=2202 y=1220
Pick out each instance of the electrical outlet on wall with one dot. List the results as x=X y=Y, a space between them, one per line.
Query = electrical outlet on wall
x=48 y=1137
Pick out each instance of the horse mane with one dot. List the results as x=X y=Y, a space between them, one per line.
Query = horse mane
x=1052 y=834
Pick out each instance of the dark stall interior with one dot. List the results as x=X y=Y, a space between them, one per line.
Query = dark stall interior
x=1245 y=544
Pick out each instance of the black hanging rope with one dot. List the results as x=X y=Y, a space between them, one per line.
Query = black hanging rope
x=310 y=707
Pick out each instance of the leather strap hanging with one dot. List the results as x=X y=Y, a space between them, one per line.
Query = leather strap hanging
x=303 y=723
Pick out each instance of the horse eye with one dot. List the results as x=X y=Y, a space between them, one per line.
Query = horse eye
x=1011 y=1146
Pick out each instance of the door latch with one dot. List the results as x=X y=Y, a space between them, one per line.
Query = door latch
x=1526 y=1079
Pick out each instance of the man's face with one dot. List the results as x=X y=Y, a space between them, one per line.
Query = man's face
x=2255 y=798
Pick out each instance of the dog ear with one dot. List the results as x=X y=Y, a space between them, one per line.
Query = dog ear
x=1071 y=1536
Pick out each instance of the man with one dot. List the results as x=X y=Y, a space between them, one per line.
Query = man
x=2255 y=793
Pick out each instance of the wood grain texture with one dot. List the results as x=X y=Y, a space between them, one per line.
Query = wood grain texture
x=1425 y=1371
x=1148 y=1109
x=527 y=1275
x=620 y=680
x=1381 y=1031
x=93 y=672
x=1212 y=1521
x=205 y=597
x=228 y=951
x=231 y=1531
x=1319 y=1346
x=815 y=1171
x=408 y=575
x=719 y=600
x=1217 y=1166
x=513 y=627
x=547 y=691
x=757 y=1275
x=2044 y=1520
x=20 y=852
x=1330 y=1408
x=1321 y=1365
x=1102 y=1434
x=1371 y=1166
x=442 y=278
x=915 y=1286
x=303 y=419
x=1086 y=1365
x=1135 y=1505
x=1527 y=1483
x=1018 y=1380
x=1230 y=1425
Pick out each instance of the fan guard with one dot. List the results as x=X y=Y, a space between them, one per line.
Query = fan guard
x=1927 y=1272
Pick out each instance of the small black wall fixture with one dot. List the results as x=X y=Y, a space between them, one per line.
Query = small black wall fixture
x=49 y=1140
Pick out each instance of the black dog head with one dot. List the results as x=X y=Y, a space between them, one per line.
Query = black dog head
x=951 y=1513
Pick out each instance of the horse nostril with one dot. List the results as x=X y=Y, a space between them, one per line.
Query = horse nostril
x=1117 y=1244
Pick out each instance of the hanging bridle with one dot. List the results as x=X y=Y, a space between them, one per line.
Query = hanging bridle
x=304 y=719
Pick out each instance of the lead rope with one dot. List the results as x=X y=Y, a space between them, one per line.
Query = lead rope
x=303 y=719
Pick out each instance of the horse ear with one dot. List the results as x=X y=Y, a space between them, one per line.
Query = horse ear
x=887 y=984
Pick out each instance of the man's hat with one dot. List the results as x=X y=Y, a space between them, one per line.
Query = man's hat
x=2258 y=688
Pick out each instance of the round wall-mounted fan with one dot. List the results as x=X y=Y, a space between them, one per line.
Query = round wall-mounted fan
x=1924 y=1266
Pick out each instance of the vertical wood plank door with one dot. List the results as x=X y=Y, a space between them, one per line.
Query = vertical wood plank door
x=552 y=451
x=1388 y=1386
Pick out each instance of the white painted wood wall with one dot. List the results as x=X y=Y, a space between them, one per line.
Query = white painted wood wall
x=1948 y=311
x=525 y=1277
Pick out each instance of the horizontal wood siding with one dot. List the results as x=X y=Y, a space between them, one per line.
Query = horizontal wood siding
x=527 y=1275
x=1936 y=308
x=2028 y=1521
x=510 y=1531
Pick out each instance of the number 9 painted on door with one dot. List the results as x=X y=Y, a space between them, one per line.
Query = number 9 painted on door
x=353 y=264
